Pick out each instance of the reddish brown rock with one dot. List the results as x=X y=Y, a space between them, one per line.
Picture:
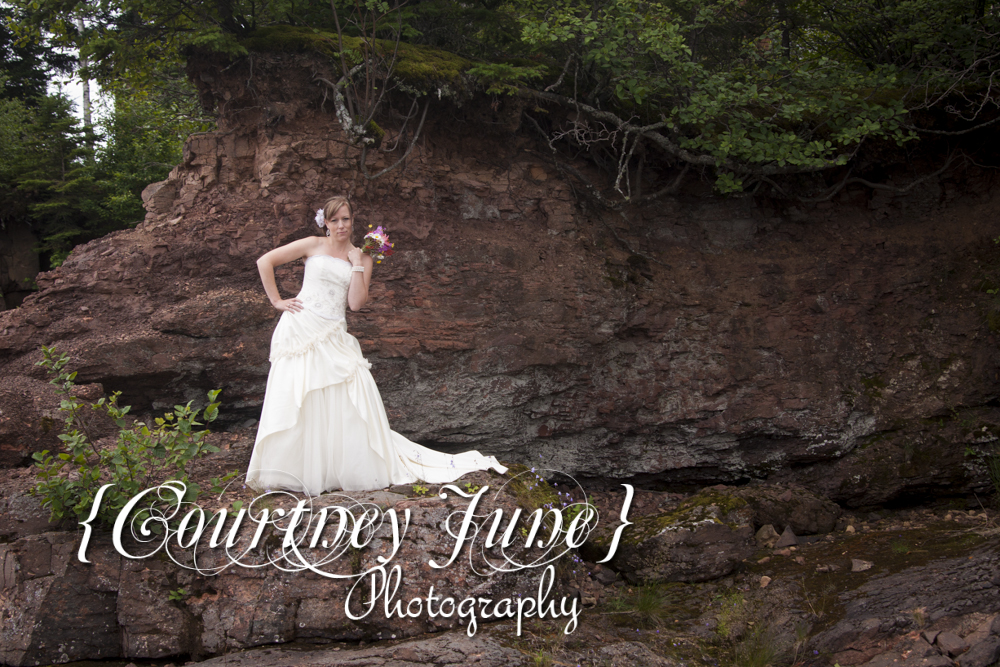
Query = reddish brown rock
x=820 y=345
x=874 y=620
x=951 y=644
x=983 y=644
x=766 y=537
x=787 y=539
x=446 y=650
x=20 y=513
x=51 y=607
x=30 y=419
x=983 y=653
x=56 y=609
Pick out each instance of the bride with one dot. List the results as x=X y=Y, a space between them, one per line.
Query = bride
x=323 y=426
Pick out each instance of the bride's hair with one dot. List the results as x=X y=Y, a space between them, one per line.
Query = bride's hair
x=334 y=204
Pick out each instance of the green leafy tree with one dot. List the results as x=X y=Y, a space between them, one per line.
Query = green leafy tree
x=129 y=43
x=77 y=194
x=750 y=90
x=59 y=178
x=751 y=93
x=25 y=70
x=15 y=117
x=69 y=193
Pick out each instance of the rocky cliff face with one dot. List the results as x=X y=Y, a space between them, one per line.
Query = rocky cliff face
x=844 y=344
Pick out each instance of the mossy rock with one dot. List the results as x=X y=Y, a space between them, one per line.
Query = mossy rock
x=707 y=507
x=530 y=489
x=707 y=536
x=293 y=39
x=423 y=68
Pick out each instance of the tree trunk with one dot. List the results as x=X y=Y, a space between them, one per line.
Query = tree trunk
x=85 y=81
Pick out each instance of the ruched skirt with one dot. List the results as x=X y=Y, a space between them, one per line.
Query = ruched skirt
x=323 y=426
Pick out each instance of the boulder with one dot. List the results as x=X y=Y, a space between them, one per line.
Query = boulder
x=704 y=538
x=215 y=314
x=787 y=539
x=982 y=654
x=951 y=644
x=872 y=620
x=766 y=537
x=789 y=507
x=453 y=649
x=984 y=645
x=513 y=321
x=20 y=512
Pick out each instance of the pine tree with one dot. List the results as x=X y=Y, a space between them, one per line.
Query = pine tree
x=56 y=179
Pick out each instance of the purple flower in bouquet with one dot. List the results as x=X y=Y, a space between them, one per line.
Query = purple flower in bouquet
x=377 y=244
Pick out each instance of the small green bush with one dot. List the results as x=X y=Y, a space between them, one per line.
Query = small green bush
x=140 y=458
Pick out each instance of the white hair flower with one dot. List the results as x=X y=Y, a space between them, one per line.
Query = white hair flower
x=320 y=218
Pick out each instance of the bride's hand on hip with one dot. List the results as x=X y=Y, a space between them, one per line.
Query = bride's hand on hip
x=292 y=305
x=354 y=255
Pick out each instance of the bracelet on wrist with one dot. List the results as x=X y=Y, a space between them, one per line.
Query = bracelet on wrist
x=358 y=268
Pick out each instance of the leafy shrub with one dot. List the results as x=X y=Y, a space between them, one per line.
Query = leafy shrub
x=141 y=456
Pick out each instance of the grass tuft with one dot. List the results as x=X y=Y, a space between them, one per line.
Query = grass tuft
x=757 y=648
x=643 y=606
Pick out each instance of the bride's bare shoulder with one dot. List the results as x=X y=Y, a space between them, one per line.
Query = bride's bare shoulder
x=292 y=251
x=310 y=245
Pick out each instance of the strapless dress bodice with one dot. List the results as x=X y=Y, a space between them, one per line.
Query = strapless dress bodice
x=324 y=286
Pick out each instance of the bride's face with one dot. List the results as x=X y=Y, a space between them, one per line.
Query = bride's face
x=340 y=224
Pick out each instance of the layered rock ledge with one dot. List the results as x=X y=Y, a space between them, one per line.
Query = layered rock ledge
x=842 y=345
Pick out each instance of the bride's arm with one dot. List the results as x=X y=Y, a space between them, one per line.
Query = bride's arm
x=277 y=257
x=357 y=294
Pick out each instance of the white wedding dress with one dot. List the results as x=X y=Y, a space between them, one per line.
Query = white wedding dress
x=323 y=426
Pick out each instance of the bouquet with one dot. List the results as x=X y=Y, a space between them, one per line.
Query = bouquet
x=377 y=244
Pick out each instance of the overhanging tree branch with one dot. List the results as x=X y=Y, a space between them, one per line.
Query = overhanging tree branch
x=650 y=133
x=848 y=180
x=593 y=192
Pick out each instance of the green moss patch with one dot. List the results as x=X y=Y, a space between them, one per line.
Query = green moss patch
x=424 y=68
x=530 y=489
x=709 y=505
x=706 y=505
